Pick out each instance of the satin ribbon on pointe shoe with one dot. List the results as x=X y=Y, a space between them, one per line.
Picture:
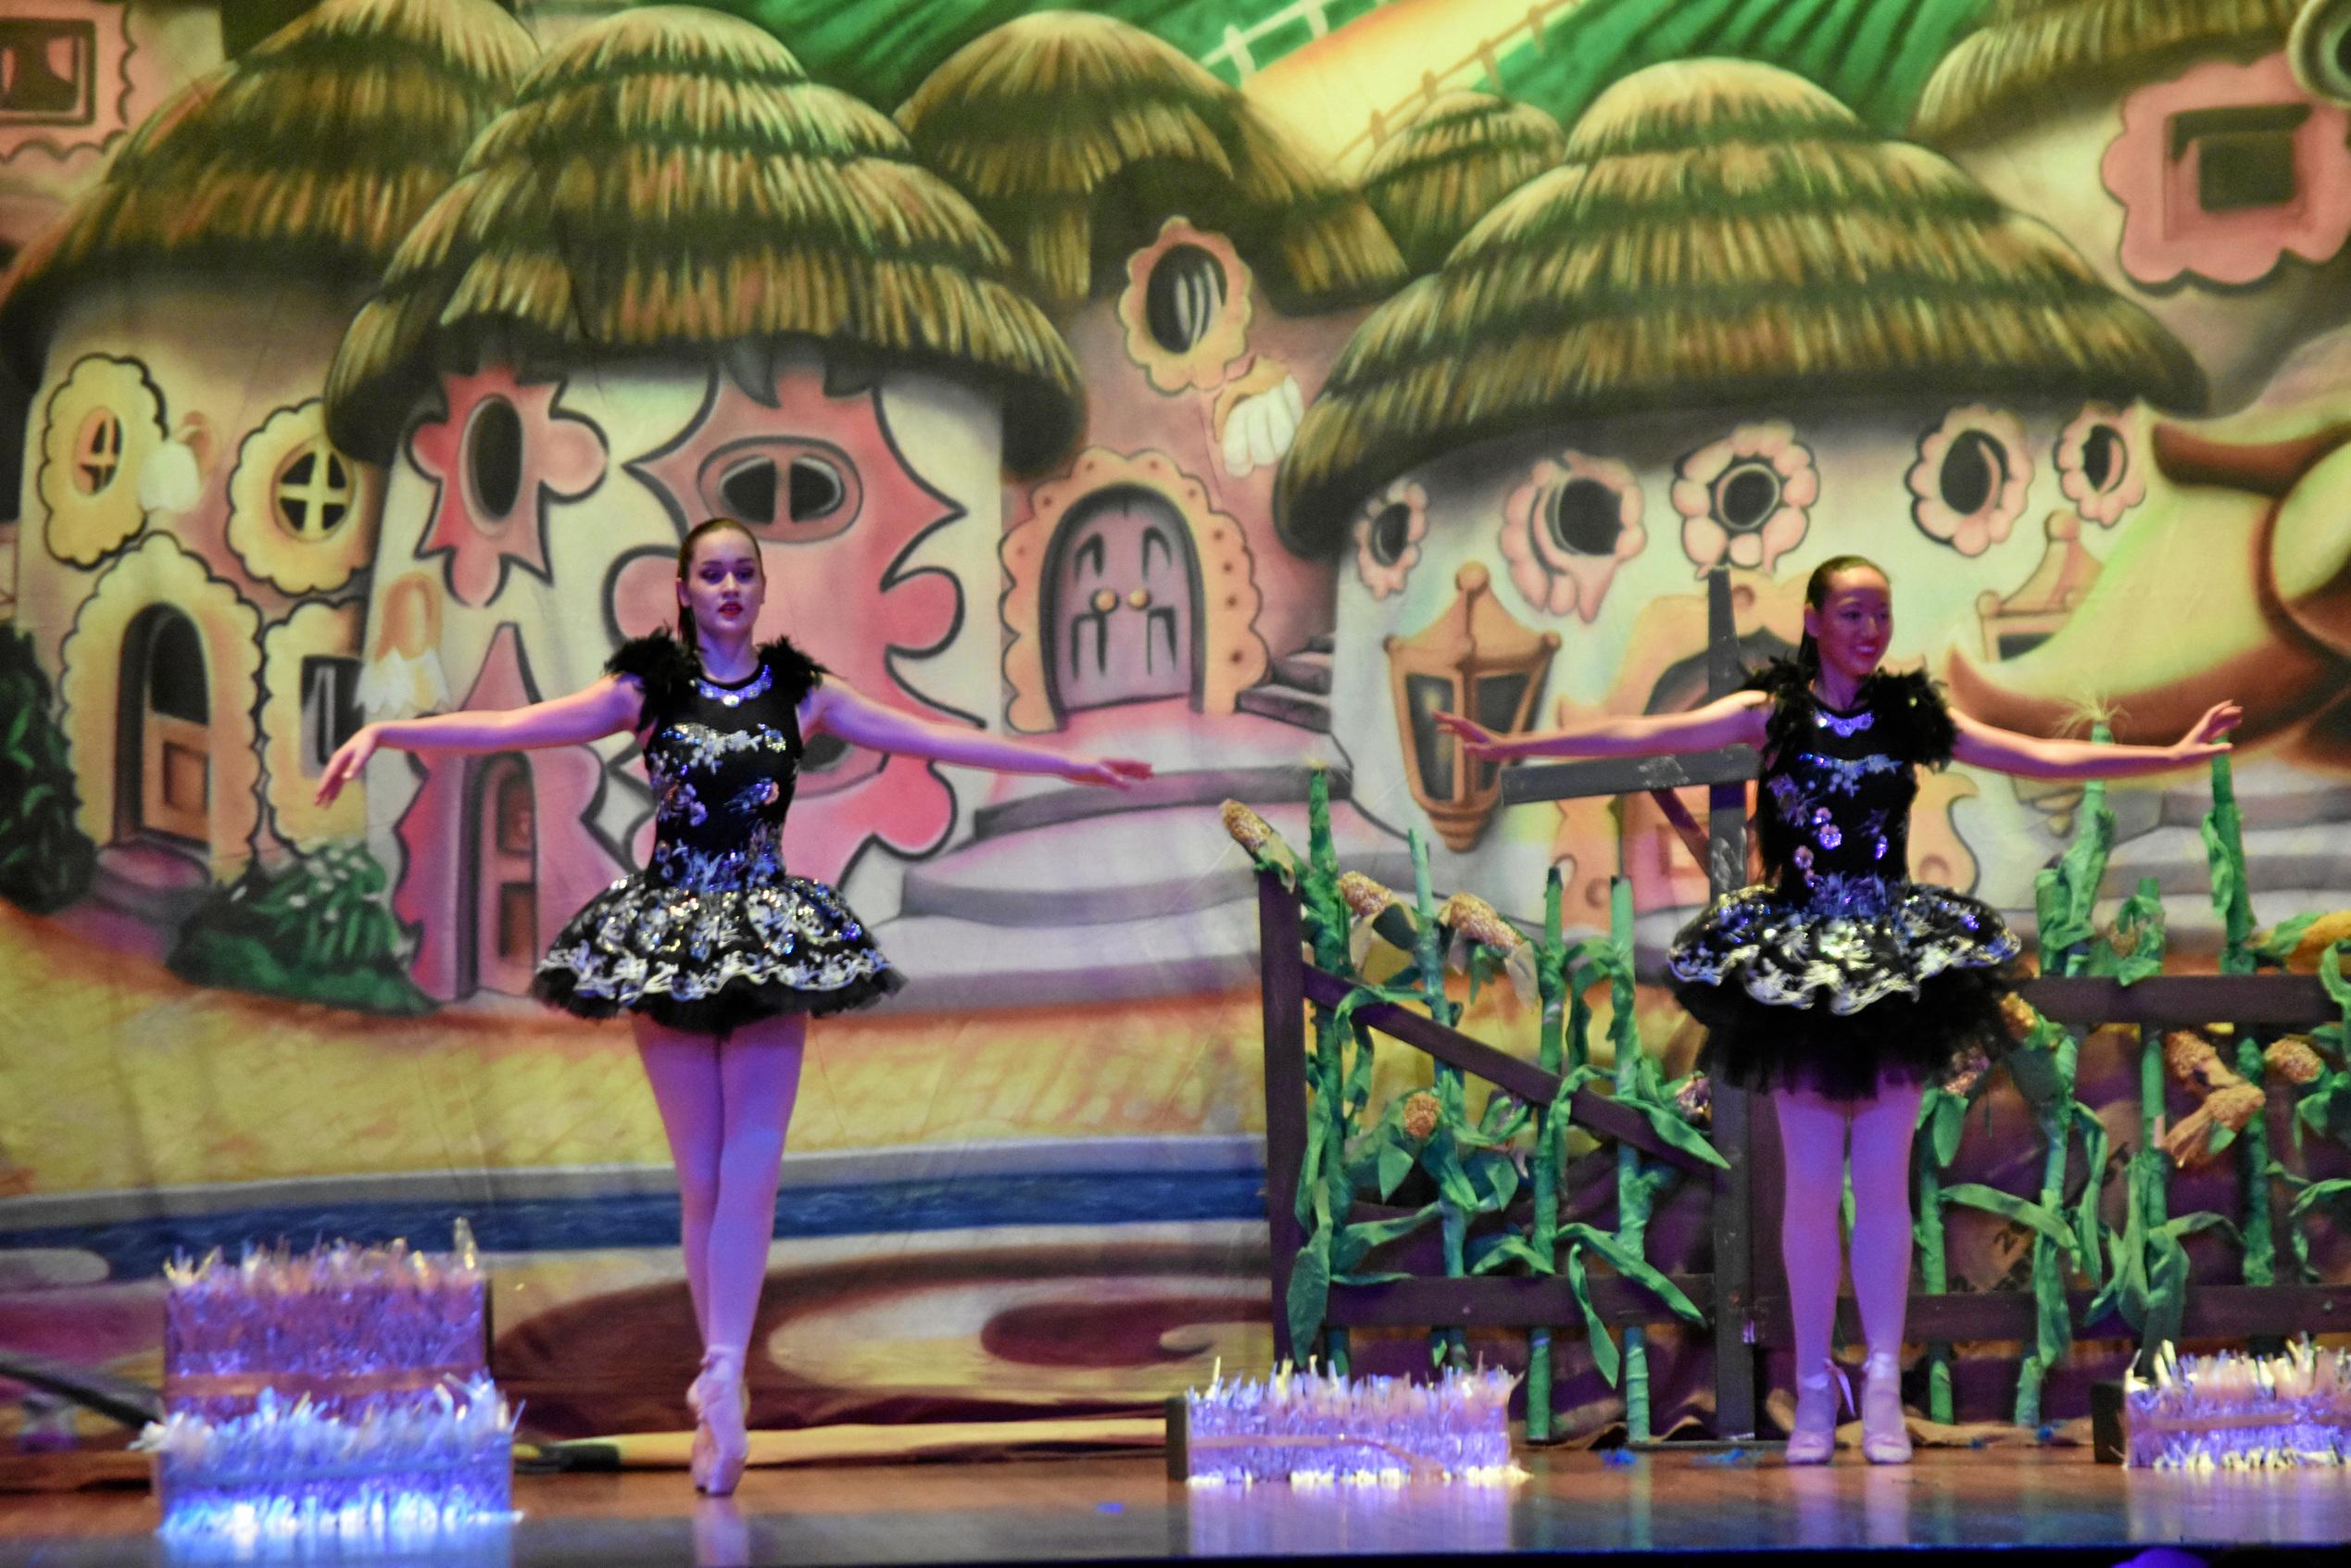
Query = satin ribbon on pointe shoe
x=1812 y=1441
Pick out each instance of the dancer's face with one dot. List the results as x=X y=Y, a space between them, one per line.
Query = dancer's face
x=722 y=585
x=1853 y=624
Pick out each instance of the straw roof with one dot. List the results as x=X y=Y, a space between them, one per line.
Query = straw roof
x=311 y=157
x=1721 y=233
x=1076 y=134
x=1451 y=163
x=2028 y=47
x=669 y=180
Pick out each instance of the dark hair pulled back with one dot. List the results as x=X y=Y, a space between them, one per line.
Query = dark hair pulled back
x=1817 y=595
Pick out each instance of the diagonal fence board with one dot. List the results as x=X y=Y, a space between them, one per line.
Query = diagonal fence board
x=1524 y=783
x=2213 y=1311
x=1528 y=1082
x=2185 y=1001
x=1507 y=1302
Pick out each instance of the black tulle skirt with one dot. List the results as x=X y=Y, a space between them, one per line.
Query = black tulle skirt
x=1844 y=987
x=712 y=961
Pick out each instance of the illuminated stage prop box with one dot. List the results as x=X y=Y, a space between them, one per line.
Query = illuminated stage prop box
x=341 y=1391
x=1307 y=1427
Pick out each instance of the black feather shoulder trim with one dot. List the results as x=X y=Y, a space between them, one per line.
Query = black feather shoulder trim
x=1915 y=723
x=795 y=673
x=660 y=664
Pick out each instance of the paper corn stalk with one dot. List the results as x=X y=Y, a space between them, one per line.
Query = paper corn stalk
x=2223 y=831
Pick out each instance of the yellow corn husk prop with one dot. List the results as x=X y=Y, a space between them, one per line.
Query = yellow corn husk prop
x=1475 y=924
x=2297 y=944
x=2292 y=1060
x=2018 y=1017
x=1968 y=1072
x=1421 y=1113
x=1374 y=909
x=2212 y=1126
x=2195 y=1062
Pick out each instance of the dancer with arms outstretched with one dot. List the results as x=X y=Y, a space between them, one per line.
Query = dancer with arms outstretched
x=1838 y=985
x=719 y=954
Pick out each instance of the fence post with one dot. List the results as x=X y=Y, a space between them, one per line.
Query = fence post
x=1283 y=986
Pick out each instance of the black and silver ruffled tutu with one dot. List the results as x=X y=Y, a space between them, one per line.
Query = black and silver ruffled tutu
x=714 y=933
x=1840 y=971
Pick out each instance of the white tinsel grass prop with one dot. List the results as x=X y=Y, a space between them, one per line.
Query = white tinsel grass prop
x=2236 y=1411
x=1311 y=1428
x=394 y=1465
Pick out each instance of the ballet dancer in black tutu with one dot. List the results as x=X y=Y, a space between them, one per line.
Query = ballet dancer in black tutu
x=1837 y=985
x=718 y=953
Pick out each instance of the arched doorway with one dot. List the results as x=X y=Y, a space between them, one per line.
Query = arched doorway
x=501 y=877
x=163 y=757
x=1122 y=601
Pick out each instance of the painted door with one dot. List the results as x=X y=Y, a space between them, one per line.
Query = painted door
x=507 y=877
x=1123 y=605
x=175 y=740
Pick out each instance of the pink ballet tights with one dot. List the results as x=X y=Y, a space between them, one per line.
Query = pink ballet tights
x=1812 y=1138
x=724 y=1108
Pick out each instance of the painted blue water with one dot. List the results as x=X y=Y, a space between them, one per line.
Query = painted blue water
x=137 y=1247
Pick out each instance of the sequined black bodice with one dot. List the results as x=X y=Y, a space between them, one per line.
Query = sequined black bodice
x=722 y=767
x=1835 y=803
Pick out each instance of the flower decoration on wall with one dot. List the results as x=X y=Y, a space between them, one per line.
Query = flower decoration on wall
x=1969 y=485
x=2099 y=466
x=301 y=515
x=1388 y=535
x=1747 y=497
x=1567 y=528
x=2225 y=170
x=1185 y=307
x=499 y=454
x=104 y=425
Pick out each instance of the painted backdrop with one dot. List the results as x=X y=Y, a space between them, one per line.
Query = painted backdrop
x=1234 y=382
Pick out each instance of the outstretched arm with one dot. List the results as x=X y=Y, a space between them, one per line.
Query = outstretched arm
x=1736 y=720
x=839 y=709
x=610 y=706
x=1985 y=745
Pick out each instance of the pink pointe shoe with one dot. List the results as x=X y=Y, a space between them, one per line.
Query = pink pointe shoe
x=1885 y=1430
x=720 y=1405
x=1814 y=1434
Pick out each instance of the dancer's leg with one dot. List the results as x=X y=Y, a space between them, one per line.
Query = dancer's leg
x=1882 y=1132
x=684 y=1070
x=760 y=1066
x=1811 y=1153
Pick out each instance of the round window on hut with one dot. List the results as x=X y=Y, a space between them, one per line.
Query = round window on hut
x=1390 y=533
x=97 y=451
x=1746 y=495
x=1969 y=485
x=310 y=494
x=1184 y=296
x=493 y=460
x=1585 y=518
x=792 y=492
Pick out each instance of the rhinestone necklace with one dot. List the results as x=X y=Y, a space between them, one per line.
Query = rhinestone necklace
x=736 y=695
x=1840 y=724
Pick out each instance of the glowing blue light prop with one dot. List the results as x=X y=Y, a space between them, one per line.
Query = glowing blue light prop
x=1311 y=1428
x=2241 y=1412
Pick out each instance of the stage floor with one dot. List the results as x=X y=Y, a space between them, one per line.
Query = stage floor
x=1123 y=1509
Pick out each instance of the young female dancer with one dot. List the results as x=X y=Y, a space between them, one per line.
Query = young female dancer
x=720 y=954
x=1838 y=985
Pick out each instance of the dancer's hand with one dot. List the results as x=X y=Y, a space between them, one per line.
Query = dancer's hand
x=1476 y=739
x=1117 y=773
x=2203 y=743
x=348 y=759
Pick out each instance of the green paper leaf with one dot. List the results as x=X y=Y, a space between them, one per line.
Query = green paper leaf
x=1950 y=1116
x=1396 y=1161
x=1633 y=1266
x=1358 y=1240
x=2007 y=1205
x=1605 y=1354
x=2285 y=937
x=1309 y=1298
x=1510 y=1247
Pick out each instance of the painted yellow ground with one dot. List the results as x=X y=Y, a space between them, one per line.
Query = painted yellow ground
x=114 y=1073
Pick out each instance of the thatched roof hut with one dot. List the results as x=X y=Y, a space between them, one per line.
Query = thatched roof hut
x=1076 y=134
x=309 y=157
x=1451 y=163
x=669 y=181
x=1721 y=233
x=2037 y=47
